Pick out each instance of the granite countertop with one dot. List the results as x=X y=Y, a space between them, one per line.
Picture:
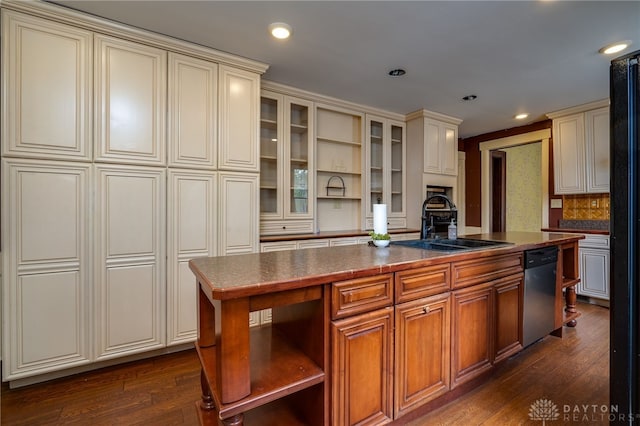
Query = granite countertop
x=231 y=277
x=600 y=227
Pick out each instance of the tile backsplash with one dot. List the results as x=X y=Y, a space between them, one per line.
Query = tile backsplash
x=586 y=207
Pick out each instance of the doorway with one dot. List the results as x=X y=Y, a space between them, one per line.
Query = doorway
x=498 y=191
x=486 y=148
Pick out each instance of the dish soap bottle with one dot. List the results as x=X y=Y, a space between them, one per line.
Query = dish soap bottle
x=453 y=231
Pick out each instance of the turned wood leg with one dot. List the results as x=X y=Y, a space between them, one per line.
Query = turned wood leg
x=570 y=300
x=206 y=402
x=237 y=420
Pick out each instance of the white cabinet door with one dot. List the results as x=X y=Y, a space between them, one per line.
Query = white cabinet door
x=192 y=97
x=47 y=79
x=46 y=231
x=594 y=273
x=568 y=154
x=192 y=232
x=130 y=260
x=238 y=120
x=239 y=213
x=131 y=84
x=597 y=149
x=440 y=147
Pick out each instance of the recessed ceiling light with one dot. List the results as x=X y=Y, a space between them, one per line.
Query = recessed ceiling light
x=280 y=30
x=397 y=72
x=470 y=98
x=615 y=47
x=521 y=116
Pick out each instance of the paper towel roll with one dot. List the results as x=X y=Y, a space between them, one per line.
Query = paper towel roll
x=380 y=218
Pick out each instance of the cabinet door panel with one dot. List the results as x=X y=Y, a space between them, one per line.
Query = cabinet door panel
x=192 y=232
x=192 y=111
x=509 y=295
x=130 y=261
x=239 y=115
x=568 y=154
x=46 y=267
x=422 y=340
x=450 y=150
x=432 y=147
x=47 y=77
x=362 y=368
x=597 y=146
x=594 y=273
x=471 y=337
x=131 y=98
x=239 y=219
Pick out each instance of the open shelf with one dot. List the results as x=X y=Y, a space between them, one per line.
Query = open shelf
x=339 y=141
x=278 y=368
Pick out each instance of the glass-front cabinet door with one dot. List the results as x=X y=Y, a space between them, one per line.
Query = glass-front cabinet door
x=271 y=117
x=297 y=153
x=386 y=163
x=286 y=157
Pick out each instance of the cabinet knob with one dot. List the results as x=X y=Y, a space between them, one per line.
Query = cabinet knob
x=284 y=227
x=426 y=309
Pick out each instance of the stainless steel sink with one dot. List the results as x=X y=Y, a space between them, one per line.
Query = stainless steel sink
x=442 y=244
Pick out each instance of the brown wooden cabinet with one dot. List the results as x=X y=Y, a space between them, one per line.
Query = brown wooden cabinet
x=362 y=368
x=422 y=354
x=508 y=294
x=471 y=332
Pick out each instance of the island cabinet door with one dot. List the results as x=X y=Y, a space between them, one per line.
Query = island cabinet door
x=422 y=340
x=508 y=293
x=471 y=332
x=362 y=363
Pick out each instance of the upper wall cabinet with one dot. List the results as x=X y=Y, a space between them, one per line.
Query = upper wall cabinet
x=286 y=154
x=439 y=135
x=192 y=97
x=581 y=149
x=239 y=117
x=130 y=81
x=47 y=83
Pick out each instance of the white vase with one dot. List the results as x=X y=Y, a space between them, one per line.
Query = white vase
x=381 y=243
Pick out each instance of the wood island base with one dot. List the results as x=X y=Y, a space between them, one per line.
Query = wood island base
x=362 y=335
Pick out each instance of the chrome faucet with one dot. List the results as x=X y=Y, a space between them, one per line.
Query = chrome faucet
x=429 y=228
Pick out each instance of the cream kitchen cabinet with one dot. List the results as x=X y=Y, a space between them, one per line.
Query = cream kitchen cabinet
x=130 y=289
x=439 y=136
x=130 y=82
x=192 y=113
x=238 y=220
x=238 y=119
x=47 y=85
x=191 y=232
x=46 y=224
x=386 y=170
x=286 y=164
x=594 y=266
x=581 y=149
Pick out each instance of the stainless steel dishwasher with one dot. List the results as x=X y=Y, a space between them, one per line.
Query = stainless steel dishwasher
x=539 y=293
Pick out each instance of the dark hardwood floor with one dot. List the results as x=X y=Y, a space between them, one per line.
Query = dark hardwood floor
x=572 y=371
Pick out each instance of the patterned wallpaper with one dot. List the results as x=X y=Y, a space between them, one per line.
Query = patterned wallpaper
x=586 y=207
x=524 y=188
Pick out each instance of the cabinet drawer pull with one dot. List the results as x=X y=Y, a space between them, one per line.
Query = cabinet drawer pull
x=426 y=309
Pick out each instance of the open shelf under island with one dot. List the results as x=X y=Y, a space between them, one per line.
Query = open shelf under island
x=363 y=334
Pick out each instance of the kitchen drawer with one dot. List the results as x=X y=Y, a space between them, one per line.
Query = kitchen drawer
x=361 y=295
x=392 y=222
x=595 y=241
x=277 y=227
x=421 y=282
x=313 y=243
x=469 y=272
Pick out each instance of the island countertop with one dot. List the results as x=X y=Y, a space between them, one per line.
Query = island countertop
x=230 y=277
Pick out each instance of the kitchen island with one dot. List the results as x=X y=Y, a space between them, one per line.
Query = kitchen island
x=362 y=334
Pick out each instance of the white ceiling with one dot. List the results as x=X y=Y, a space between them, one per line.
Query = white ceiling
x=516 y=56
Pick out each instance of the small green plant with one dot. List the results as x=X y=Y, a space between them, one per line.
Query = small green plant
x=375 y=236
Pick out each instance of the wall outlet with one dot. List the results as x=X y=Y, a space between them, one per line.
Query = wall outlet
x=556 y=203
